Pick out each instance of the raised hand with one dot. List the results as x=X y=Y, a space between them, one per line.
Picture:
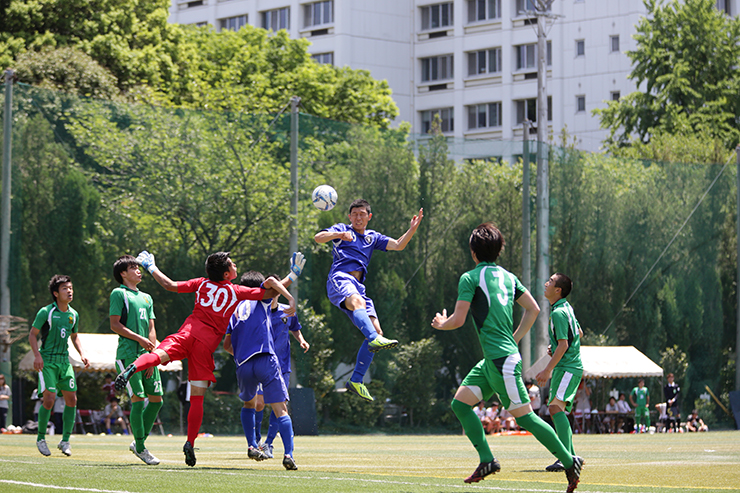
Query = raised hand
x=146 y=260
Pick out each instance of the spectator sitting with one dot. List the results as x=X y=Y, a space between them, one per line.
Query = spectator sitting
x=508 y=422
x=610 y=420
x=626 y=423
x=494 y=422
x=695 y=423
x=534 y=395
x=582 y=408
x=109 y=388
x=113 y=415
x=480 y=411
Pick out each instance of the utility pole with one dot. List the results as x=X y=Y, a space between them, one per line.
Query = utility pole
x=737 y=329
x=526 y=342
x=5 y=367
x=295 y=101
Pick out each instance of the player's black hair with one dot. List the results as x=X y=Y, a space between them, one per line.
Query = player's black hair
x=55 y=282
x=486 y=242
x=252 y=279
x=216 y=265
x=360 y=203
x=122 y=265
x=276 y=276
x=564 y=283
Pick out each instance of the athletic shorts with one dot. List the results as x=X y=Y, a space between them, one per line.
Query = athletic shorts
x=286 y=380
x=57 y=376
x=502 y=376
x=564 y=385
x=181 y=345
x=341 y=286
x=262 y=369
x=138 y=384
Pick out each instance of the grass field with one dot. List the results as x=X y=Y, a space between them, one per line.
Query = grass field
x=707 y=462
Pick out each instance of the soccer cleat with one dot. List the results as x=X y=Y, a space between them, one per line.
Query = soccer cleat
x=123 y=377
x=573 y=474
x=43 y=448
x=65 y=448
x=555 y=467
x=256 y=454
x=484 y=469
x=266 y=449
x=289 y=463
x=381 y=342
x=145 y=455
x=359 y=389
x=189 y=452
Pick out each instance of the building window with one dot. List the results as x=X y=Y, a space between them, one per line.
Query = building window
x=580 y=47
x=526 y=109
x=437 y=68
x=484 y=115
x=323 y=58
x=480 y=10
x=233 y=23
x=446 y=115
x=275 y=20
x=434 y=16
x=196 y=3
x=614 y=95
x=522 y=5
x=201 y=24
x=526 y=56
x=318 y=13
x=614 y=44
x=580 y=103
x=484 y=61
x=724 y=6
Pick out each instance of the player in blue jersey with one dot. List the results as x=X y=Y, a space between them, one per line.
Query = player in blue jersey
x=353 y=245
x=249 y=340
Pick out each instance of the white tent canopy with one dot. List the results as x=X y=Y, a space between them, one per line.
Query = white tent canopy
x=100 y=350
x=607 y=362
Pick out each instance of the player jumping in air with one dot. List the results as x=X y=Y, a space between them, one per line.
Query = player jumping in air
x=353 y=245
x=201 y=333
x=489 y=292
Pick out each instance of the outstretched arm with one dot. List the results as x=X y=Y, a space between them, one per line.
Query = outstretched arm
x=401 y=243
x=146 y=260
x=273 y=284
x=327 y=236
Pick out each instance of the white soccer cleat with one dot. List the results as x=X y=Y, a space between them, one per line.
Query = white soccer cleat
x=65 y=448
x=145 y=455
x=43 y=448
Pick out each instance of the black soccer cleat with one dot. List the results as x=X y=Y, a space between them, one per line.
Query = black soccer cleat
x=256 y=454
x=573 y=474
x=189 y=452
x=289 y=463
x=123 y=377
x=484 y=469
x=557 y=466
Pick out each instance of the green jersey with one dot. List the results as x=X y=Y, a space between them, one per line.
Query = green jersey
x=55 y=327
x=563 y=325
x=491 y=291
x=641 y=396
x=135 y=309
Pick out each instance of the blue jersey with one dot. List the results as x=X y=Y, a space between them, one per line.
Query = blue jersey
x=355 y=255
x=281 y=326
x=250 y=330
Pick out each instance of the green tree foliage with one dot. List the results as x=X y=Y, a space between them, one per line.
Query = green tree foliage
x=413 y=369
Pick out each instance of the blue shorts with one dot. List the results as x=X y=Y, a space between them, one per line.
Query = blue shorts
x=341 y=286
x=286 y=379
x=262 y=369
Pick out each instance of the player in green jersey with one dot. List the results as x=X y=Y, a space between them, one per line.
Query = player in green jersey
x=55 y=324
x=642 y=406
x=565 y=365
x=489 y=293
x=132 y=318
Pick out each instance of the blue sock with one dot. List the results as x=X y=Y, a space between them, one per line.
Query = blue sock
x=247 y=416
x=364 y=358
x=362 y=320
x=258 y=415
x=272 y=431
x=285 y=424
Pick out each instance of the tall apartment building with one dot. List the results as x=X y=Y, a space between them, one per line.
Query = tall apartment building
x=472 y=62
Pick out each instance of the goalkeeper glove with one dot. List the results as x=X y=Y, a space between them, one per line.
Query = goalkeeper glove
x=297 y=261
x=146 y=260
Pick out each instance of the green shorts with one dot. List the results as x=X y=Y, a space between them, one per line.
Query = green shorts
x=138 y=385
x=57 y=376
x=564 y=385
x=502 y=376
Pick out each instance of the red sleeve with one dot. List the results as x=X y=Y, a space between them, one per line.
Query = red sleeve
x=245 y=293
x=189 y=286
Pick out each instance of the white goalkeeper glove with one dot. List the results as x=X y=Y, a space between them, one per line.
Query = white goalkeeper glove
x=146 y=260
x=297 y=261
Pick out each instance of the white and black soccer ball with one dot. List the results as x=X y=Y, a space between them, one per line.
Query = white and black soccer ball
x=324 y=197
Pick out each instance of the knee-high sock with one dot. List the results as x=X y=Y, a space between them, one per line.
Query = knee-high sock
x=44 y=415
x=565 y=434
x=68 y=421
x=363 y=322
x=473 y=429
x=147 y=360
x=546 y=436
x=364 y=358
x=258 y=416
x=272 y=431
x=150 y=416
x=247 y=416
x=137 y=424
x=285 y=424
x=195 y=417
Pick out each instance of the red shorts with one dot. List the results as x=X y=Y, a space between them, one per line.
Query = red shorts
x=181 y=345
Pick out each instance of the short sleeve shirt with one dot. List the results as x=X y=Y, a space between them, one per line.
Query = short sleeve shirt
x=251 y=332
x=491 y=291
x=55 y=326
x=282 y=325
x=135 y=309
x=355 y=255
x=641 y=395
x=563 y=325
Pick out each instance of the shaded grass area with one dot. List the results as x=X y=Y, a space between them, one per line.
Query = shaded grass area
x=708 y=462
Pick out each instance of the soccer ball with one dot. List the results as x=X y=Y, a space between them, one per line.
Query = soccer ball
x=324 y=197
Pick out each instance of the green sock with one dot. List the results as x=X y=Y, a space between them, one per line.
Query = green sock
x=565 y=434
x=44 y=415
x=137 y=424
x=150 y=416
x=547 y=437
x=68 y=422
x=473 y=429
